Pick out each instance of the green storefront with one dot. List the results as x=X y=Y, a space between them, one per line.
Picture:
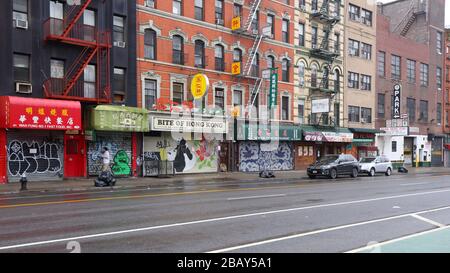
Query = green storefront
x=117 y=128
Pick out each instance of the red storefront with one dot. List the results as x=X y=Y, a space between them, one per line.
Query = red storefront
x=41 y=139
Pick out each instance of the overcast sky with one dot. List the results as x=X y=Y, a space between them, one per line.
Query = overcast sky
x=447 y=9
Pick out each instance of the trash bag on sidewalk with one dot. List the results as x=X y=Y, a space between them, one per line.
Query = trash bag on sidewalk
x=105 y=179
x=402 y=170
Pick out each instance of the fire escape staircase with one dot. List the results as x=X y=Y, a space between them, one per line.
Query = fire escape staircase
x=94 y=45
x=405 y=24
x=323 y=14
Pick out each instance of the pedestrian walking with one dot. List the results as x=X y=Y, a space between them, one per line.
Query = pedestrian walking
x=106 y=160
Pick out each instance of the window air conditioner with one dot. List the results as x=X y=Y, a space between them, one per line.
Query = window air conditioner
x=150 y=4
x=121 y=44
x=23 y=88
x=21 y=24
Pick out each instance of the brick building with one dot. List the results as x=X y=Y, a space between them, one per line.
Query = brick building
x=410 y=53
x=179 y=39
x=446 y=123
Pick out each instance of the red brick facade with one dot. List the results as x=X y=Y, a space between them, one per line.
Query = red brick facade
x=447 y=83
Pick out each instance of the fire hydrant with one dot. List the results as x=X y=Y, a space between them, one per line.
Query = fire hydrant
x=23 y=182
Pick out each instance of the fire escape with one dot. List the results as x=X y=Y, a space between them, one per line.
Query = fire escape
x=328 y=54
x=415 y=9
x=249 y=71
x=80 y=82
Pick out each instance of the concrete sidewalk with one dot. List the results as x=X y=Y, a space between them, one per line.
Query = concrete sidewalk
x=87 y=184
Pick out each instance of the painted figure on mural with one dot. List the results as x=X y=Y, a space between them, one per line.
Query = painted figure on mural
x=106 y=159
x=121 y=165
x=183 y=155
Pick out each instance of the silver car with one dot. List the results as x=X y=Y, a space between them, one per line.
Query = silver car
x=373 y=165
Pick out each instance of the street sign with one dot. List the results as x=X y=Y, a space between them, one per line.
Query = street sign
x=397 y=101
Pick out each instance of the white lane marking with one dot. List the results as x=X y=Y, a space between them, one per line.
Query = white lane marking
x=429 y=221
x=322 y=231
x=397 y=239
x=256 y=197
x=412 y=184
x=217 y=219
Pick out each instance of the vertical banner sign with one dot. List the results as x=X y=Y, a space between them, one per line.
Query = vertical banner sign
x=236 y=68
x=236 y=23
x=397 y=101
x=273 y=93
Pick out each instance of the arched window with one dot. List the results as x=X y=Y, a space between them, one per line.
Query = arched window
x=199 y=54
x=150 y=44
x=337 y=81
x=301 y=73
x=285 y=70
x=325 y=77
x=255 y=66
x=219 y=57
x=270 y=62
x=314 y=75
x=178 y=50
x=237 y=55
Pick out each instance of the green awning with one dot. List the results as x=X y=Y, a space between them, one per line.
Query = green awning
x=119 y=118
x=361 y=140
x=266 y=133
x=365 y=130
x=310 y=128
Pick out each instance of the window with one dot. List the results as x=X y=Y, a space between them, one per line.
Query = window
x=314 y=5
x=219 y=98
x=284 y=108
x=199 y=54
x=219 y=58
x=381 y=64
x=150 y=44
x=411 y=105
x=395 y=67
x=394 y=146
x=337 y=43
x=337 y=81
x=285 y=31
x=21 y=68
x=237 y=55
x=439 y=113
x=177 y=7
x=353 y=12
x=337 y=7
x=237 y=10
x=255 y=22
x=366 y=51
x=20 y=11
x=366 y=82
x=219 y=12
x=411 y=70
x=199 y=13
x=423 y=74
x=56 y=69
x=366 y=17
x=301 y=111
x=119 y=84
x=353 y=114
x=89 y=21
x=439 y=78
x=301 y=34
x=314 y=75
x=150 y=95
x=314 y=37
x=285 y=70
x=57 y=17
x=270 y=62
x=118 y=29
x=423 y=111
x=301 y=73
x=366 y=115
x=353 y=80
x=255 y=66
x=439 y=42
x=381 y=106
x=178 y=92
x=237 y=100
x=325 y=77
x=271 y=23
x=177 y=50
x=90 y=81
x=353 y=48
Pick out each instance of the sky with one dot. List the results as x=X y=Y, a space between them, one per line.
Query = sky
x=447 y=10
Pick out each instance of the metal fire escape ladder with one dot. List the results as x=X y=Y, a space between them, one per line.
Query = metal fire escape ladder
x=405 y=24
x=253 y=9
x=252 y=54
x=77 y=68
x=74 y=20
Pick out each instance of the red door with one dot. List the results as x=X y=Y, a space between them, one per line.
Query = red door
x=74 y=156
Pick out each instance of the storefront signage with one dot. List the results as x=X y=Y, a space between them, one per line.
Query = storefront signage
x=328 y=137
x=414 y=130
x=273 y=92
x=320 y=106
x=119 y=118
x=40 y=114
x=199 y=86
x=268 y=133
x=394 y=131
x=397 y=100
x=170 y=124
x=401 y=122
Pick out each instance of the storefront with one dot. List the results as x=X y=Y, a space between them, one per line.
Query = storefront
x=363 y=144
x=327 y=140
x=189 y=143
x=263 y=147
x=117 y=128
x=35 y=135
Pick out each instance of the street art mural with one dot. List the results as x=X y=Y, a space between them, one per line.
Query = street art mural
x=188 y=156
x=34 y=158
x=119 y=146
x=253 y=159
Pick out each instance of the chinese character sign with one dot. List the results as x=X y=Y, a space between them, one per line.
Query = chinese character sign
x=273 y=89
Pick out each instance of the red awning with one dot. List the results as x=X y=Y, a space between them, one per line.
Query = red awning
x=39 y=114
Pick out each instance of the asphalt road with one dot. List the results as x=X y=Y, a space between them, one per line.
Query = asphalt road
x=304 y=216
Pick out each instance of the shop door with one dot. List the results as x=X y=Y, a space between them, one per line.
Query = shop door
x=74 y=156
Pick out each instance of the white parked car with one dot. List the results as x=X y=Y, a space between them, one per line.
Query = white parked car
x=373 y=165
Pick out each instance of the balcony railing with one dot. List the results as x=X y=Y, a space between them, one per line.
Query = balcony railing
x=81 y=90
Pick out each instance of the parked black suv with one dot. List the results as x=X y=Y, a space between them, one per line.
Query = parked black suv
x=333 y=165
